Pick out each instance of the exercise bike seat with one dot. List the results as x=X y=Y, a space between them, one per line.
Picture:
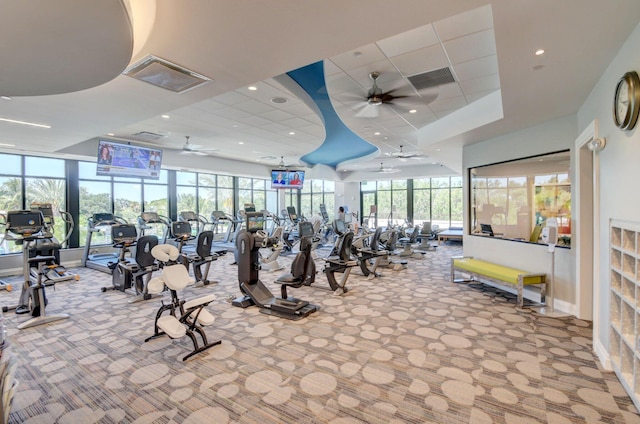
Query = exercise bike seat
x=289 y=279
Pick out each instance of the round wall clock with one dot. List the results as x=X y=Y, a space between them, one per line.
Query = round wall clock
x=626 y=101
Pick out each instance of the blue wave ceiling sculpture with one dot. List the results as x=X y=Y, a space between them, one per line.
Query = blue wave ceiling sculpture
x=340 y=143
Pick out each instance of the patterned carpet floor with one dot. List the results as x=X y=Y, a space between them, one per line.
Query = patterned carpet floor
x=406 y=347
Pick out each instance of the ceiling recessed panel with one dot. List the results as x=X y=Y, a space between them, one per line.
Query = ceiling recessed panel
x=414 y=39
x=469 y=47
x=421 y=60
x=62 y=46
x=474 y=20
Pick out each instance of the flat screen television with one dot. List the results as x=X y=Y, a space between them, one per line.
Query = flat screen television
x=286 y=179
x=124 y=160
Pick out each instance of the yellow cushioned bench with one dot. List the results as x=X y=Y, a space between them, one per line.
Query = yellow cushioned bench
x=499 y=274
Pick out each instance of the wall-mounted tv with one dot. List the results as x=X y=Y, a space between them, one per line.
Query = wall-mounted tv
x=287 y=179
x=125 y=160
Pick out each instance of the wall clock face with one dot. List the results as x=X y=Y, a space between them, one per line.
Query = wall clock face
x=626 y=101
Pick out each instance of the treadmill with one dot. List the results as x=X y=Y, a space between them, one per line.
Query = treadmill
x=100 y=223
x=198 y=222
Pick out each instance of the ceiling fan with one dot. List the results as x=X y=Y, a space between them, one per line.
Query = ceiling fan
x=376 y=97
x=401 y=154
x=387 y=170
x=285 y=166
x=195 y=149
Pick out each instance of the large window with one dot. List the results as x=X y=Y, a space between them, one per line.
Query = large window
x=516 y=199
x=124 y=197
x=42 y=181
x=316 y=193
x=438 y=200
x=394 y=202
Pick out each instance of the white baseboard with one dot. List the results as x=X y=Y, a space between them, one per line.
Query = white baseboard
x=602 y=354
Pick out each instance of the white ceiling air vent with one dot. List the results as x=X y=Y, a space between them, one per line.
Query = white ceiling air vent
x=432 y=79
x=147 y=135
x=165 y=74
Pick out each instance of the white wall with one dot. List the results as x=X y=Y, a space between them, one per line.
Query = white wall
x=347 y=194
x=619 y=173
x=551 y=136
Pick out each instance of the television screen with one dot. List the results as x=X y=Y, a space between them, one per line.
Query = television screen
x=124 y=160
x=287 y=179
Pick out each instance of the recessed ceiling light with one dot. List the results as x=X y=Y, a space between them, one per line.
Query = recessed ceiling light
x=252 y=88
x=357 y=54
x=539 y=52
x=292 y=133
x=235 y=125
x=412 y=111
x=279 y=100
x=31 y=124
x=376 y=133
x=110 y=134
x=5 y=97
x=538 y=67
x=165 y=117
x=7 y=145
x=240 y=142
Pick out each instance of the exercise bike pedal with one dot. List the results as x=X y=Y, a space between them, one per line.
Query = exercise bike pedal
x=22 y=309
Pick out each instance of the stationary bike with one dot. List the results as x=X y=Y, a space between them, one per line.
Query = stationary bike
x=25 y=227
x=125 y=274
x=202 y=257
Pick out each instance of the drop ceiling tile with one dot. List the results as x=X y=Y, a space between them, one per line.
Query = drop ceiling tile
x=469 y=47
x=277 y=128
x=233 y=114
x=474 y=20
x=276 y=115
x=421 y=60
x=479 y=85
x=448 y=104
x=407 y=41
x=230 y=98
x=477 y=68
x=444 y=91
x=255 y=121
x=368 y=54
x=385 y=68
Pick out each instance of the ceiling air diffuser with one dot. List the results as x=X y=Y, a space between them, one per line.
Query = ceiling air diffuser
x=164 y=74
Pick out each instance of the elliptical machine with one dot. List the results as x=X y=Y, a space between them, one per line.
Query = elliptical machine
x=249 y=242
x=25 y=227
x=50 y=246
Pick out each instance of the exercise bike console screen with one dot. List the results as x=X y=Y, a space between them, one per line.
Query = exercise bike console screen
x=181 y=229
x=255 y=221
x=305 y=229
x=125 y=233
